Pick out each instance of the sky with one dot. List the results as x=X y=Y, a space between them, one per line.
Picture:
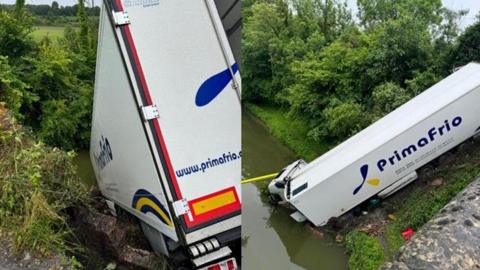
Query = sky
x=472 y=5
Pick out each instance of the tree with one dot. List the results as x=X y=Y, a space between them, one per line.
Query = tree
x=400 y=48
x=263 y=34
x=46 y=84
x=327 y=17
x=84 y=37
x=467 y=48
x=15 y=39
x=387 y=97
x=345 y=119
x=55 y=5
x=374 y=12
x=55 y=9
x=338 y=70
x=19 y=6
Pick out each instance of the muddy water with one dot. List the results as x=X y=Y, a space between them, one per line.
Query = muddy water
x=84 y=168
x=271 y=239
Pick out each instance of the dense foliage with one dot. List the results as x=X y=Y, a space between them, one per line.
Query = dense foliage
x=340 y=73
x=37 y=184
x=48 y=84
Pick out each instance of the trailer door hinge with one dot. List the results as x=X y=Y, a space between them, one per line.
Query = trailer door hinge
x=181 y=208
x=150 y=112
x=121 y=18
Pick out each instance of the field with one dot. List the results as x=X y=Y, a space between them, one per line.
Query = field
x=53 y=32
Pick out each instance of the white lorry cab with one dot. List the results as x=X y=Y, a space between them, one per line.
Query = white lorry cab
x=385 y=156
x=165 y=142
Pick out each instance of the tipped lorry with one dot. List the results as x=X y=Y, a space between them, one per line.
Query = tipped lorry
x=385 y=156
x=165 y=143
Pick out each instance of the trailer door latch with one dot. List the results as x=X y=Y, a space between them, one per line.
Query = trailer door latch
x=181 y=208
x=121 y=18
x=150 y=112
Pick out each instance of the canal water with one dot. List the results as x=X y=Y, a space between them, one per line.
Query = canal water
x=85 y=169
x=271 y=239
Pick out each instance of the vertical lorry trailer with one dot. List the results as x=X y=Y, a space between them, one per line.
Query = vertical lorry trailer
x=165 y=143
x=385 y=156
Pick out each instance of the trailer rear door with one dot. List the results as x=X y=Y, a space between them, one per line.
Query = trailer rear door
x=188 y=86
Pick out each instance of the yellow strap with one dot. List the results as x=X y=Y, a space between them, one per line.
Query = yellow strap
x=260 y=178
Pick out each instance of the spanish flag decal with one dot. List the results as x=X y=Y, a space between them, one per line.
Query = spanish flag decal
x=145 y=202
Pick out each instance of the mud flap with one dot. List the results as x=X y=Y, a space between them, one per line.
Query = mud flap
x=155 y=238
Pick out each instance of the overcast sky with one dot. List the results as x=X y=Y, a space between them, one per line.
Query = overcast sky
x=472 y=5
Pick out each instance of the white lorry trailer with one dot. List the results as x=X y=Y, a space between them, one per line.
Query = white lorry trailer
x=165 y=143
x=385 y=156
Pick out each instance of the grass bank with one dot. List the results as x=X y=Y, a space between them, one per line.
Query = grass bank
x=411 y=207
x=291 y=131
x=38 y=184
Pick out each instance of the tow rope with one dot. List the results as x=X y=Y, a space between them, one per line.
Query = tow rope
x=259 y=178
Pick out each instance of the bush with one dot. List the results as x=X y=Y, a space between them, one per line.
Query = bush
x=12 y=90
x=48 y=85
x=15 y=38
x=345 y=119
x=37 y=184
x=387 y=97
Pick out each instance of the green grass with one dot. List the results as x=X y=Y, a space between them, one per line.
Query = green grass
x=366 y=252
x=53 y=32
x=417 y=208
x=292 y=132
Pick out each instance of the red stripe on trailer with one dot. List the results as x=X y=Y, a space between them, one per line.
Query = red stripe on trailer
x=148 y=98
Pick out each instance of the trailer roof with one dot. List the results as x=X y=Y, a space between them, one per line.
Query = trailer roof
x=430 y=101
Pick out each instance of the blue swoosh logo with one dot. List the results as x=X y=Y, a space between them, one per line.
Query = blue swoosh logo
x=364 y=172
x=213 y=86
